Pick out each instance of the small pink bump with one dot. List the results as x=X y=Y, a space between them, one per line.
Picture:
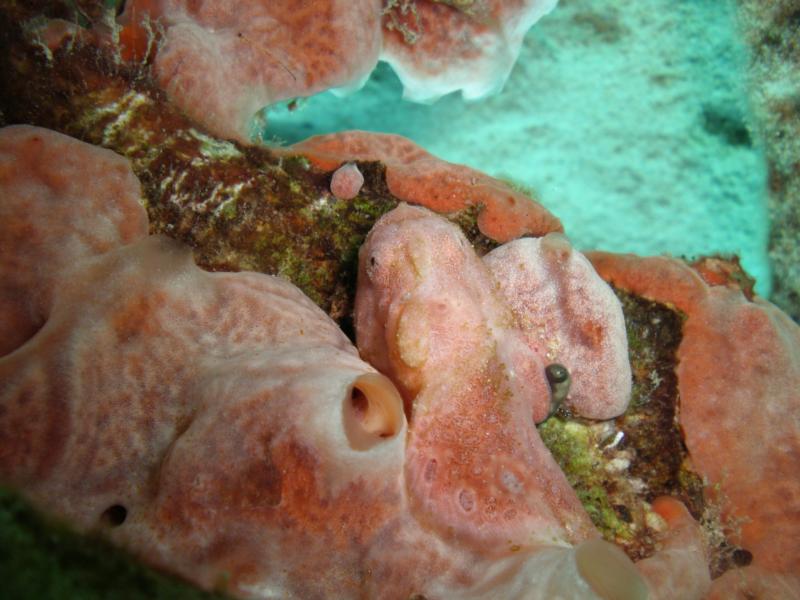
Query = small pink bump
x=346 y=182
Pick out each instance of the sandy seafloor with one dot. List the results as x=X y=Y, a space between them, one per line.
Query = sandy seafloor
x=627 y=118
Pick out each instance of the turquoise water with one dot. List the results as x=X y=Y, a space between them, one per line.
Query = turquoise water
x=627 y=119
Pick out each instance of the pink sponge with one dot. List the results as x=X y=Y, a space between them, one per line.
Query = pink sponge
x=223 y=61
x=427 y=315
x=220 y=426
x=346 y=182
x=441 y=47
x=416 y=176
x=215 y=424
x=52 y=219
x=739 y=384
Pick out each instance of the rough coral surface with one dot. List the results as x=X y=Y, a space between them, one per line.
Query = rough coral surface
x=569 y=316
x=738 y=378
x=416 y=176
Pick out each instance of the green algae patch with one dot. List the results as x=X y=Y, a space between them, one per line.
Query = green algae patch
x=227 y=210
x=618 y=467
x=40 y=558
x=467 y=221
x=575 y=447
x=569 y=443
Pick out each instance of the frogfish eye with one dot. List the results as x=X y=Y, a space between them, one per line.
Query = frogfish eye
x=559 y=380
x=556 y=374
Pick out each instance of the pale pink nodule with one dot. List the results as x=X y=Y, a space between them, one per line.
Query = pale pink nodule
x=346 y=182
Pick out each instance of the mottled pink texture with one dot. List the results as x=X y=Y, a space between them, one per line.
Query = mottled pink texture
x=678 y=569
x=223 y=61
x=212 y=406
x=757 y=583
x=424 y=297
x=427 y=315
x=568 y=315
x=51 y=219
x=346 y=182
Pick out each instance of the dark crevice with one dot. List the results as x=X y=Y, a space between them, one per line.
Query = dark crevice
x=114 y=515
